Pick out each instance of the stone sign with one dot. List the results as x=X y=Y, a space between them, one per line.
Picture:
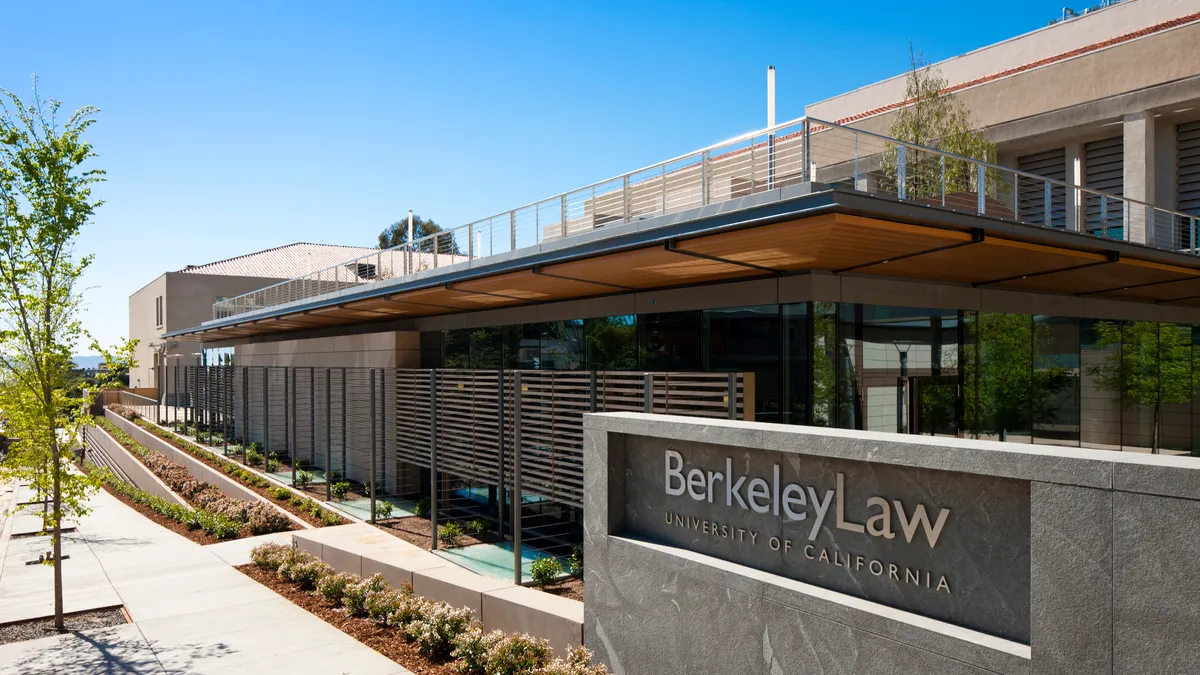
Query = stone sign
x=949 y=546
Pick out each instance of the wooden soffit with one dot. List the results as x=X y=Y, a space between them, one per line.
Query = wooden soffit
x=990 y=261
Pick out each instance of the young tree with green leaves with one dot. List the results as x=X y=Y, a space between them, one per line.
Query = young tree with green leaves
x=45 y=201
x=935 y=118
x=1150 y=366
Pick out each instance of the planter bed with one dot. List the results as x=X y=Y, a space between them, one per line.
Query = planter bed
x=194 y=534
x=34 y=629
x=255 y=516
x=423 y=636
x=307 y=510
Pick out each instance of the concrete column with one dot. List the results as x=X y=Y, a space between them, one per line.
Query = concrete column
x=1074 y=176
x=1139 y=169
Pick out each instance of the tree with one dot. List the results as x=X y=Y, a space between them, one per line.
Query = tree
x=396 y=234
x=935 y=118
x=1009 y=388
x=45 y=201
x=1151 y=366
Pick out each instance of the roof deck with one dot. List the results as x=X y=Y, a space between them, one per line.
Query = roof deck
x=804 y=195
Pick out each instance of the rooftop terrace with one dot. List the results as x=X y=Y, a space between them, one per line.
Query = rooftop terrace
x=808 y=154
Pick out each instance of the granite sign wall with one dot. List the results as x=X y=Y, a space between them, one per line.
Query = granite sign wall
x=716 y=546
x=950 y=546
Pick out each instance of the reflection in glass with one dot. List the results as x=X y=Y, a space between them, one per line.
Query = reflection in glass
x=611 y=342
x=796 y=349
x=747 y=340
x=824 y=364
x=1148 y=367
x=670 y=341
x=486 y=347
x=1057 y=351
x=457 y=349
x=562 y=345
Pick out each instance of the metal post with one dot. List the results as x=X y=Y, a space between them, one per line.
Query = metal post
x=855 y=186
x=471 y=241
x=648 y=392
x=731 y=397
x=1046 y=199
x=512 y=230
x=344 y=472
x=901 y=173
x=808 y=164
x=372 y=445
x=562 y=207
x=981 y=187
x=704 y=197
x=245 y=412
x=501 y=488
x=226 y=390
x=290 y=412
x=159 y=371
x=266 y=416
x=312 y=416
x=433 y=470
x=1193 y=240
x=328 y=433
x=943 y=180
x=516 y=499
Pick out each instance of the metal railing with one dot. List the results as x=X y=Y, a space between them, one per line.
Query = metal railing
x=794 y=152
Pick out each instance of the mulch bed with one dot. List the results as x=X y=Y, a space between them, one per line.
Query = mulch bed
x=387 y=641
x=570 y=588
x=265 y=492
x=199 y=536
x=418 y=532
x=40 y=628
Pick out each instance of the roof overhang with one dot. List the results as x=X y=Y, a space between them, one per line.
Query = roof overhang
x=834 y=230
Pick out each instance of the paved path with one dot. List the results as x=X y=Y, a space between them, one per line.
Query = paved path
x=192 y=612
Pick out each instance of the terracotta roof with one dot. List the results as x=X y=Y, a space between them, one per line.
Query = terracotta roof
x=1149 y=30
x=281 y=262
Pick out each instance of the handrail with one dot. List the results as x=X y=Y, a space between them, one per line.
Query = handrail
x=660 y=188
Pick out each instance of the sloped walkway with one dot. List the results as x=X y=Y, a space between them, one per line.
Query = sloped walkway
x=192 y=612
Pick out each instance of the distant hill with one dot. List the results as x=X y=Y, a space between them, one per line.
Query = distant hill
x=86 y=362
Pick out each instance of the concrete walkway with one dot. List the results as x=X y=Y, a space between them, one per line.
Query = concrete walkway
x=192 y=612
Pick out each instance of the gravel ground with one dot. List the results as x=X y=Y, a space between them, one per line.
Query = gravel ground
x=40 y=628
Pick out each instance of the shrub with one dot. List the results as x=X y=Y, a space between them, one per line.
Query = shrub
x=264 y=519
x=576 y=561
x=383 y=510
x=308 y=573
x=517 y=655
x=296 y=500
x=578 y=662
x=354 y=599
x=450 y=534
x=328 y=518
x=477 y=526
x=421 y=510
x=545 y=570
x=271 y=466
x=333 y=587
x=303 y=479
x=269 y=556
x=253 y=456
x=437 y=630
x=471 y=649
x=123 y=411
x=281 y=492
x=381 y=604
x=411 y=608
x=293 y=559
x=339 y=489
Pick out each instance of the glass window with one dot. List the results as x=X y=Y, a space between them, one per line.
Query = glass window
x=522 y=343
x=824 y=364
x=611 y=343
x=670 y=341
x=562 y=345
x=486 y=347
x=457 y=349
x=797 y=350
x=1099 y=384
x=1056 y=380
x=747 y=340
x=1002 y=374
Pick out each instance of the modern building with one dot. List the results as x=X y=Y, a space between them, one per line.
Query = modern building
x=183 y=298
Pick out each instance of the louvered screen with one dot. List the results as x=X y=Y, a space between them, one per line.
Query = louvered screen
x=552 y=407
x=1104 y=170
x=1039 y=199
x=697 y=394
x=303 y=399
x=1188 y=168
x=412 y=416
x=468 y=424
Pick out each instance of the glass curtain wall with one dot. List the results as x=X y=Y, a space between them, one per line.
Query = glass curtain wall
x=1120 y=385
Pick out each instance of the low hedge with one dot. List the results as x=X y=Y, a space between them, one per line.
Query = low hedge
x=259 y=518
x=441 y=633
x=213 y=524
x=241 y=475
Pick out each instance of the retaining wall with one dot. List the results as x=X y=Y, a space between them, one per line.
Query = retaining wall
x=499 y=605
x=198 y=469
x=683 y=579
x=116 y=456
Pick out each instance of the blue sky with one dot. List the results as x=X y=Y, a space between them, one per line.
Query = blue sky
x=227 y=128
